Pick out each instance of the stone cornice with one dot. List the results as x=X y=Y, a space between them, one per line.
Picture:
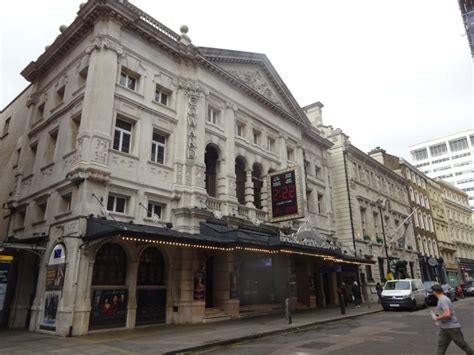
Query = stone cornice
x=356 y=152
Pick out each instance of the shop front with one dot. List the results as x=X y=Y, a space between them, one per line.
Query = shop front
x=466 y=269
x=132 y=275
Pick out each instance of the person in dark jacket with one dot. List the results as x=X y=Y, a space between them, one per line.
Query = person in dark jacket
x=379 y=290
x=343 y=293
x=356 y=295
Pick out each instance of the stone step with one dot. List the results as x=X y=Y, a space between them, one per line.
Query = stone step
x=215 y=315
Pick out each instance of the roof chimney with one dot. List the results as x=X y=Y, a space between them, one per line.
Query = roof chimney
x=314 y=113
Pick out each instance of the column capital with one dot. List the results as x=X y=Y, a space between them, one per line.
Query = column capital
x=231 y=106
x=103 y=42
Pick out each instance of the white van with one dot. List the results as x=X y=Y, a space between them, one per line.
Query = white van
x=407 y=293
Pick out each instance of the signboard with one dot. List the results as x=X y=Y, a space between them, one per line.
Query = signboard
x=199 y=285
x=4 y=269
x=109 y=308
x=55 y=277
x=286 y=199
x=51 y=303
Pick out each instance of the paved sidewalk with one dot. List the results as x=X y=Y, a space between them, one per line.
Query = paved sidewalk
x=172 y=339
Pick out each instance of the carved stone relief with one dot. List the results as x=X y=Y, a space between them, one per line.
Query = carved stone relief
x=193 y=92
x=256 y=81
x=179 y=173
x=104 y=43
x=122 y=162
x=101 y=150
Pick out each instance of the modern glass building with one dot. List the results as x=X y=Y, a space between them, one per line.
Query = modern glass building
x=450 y=158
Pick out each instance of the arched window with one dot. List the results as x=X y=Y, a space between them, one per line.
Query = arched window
x=412 y=197
x=240 y=177
x=151 y=270
x=257 y=185
x=110 y=267
x=210 y=158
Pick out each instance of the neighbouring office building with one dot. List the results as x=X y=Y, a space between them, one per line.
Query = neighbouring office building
x=431 y=265
x=450 y=158
x=370 y=202
x=143 y=177
x=460 y=228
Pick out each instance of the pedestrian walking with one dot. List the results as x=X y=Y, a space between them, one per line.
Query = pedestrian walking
x=356 y=295
x=379 y=289
x=343 y=293
x=450 y=328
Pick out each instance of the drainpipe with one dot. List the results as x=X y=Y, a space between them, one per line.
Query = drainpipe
x=344 y=154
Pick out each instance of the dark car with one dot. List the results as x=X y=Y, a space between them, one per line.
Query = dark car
x=468 y=288
x=449 y=292
x=431 y=299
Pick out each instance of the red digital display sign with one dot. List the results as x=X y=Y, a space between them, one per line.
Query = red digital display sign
x=284 y=192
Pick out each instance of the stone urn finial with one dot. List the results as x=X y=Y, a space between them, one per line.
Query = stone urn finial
x=184 y=38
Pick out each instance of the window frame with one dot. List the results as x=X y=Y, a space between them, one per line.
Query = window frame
x=213 y=115
x=114 y=205
x=159 y=92
x=153 y=204
x=156 y=145
x=122 y=132
x=126 y=76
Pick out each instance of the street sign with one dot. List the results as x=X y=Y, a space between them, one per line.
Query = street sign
x=286 y=199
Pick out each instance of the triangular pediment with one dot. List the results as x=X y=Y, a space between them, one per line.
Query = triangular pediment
x=255 y=71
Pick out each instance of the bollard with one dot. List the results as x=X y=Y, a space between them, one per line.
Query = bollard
x=342 y=303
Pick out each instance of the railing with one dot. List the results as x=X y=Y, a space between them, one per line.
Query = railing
x=243 y=211
x=260 y=215
x=214 y=204
x=152 y=22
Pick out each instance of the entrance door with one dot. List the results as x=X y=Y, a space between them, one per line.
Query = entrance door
x=327 y=288
x=151 y=288
x=302 y=284
x=209 y=281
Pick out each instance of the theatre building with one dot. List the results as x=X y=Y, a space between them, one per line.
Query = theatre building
x=160 y=182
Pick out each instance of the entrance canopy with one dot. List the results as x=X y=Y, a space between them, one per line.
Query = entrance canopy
x=217 y=236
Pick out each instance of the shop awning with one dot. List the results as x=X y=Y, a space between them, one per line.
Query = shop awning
x=214 y=236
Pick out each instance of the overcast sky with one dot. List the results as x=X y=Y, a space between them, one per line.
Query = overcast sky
x=390 y=73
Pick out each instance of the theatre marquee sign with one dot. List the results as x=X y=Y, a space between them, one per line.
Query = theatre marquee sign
x=286 y=198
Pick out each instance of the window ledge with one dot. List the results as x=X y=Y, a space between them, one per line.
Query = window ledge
x=47 y=166
x=55 y=108
x=214 y=125
x=164 y=166
x=27 y=177
x=63 y=214
x=128 y=155
x=131 y=91
x=37 y=223
x=65 y=156
x=121 y=215
x=168 y=107
x=78 y=90
x=18 y=229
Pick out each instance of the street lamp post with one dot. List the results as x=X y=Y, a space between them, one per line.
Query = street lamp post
x=381 y=203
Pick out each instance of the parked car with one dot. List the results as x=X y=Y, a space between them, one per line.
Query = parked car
x=431 y=299
x=449 y=292
x=408 y=293
x=469 y=288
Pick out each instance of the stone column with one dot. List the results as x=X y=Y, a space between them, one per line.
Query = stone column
x=249 y=189
x=132 y=293
x=265 y=200
x=221 y=179
x=333 y=288
x=283 y=152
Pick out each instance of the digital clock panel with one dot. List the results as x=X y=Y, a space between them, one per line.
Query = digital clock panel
x=284 y=192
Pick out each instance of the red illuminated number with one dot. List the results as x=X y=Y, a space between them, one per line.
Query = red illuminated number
x=291 y=192
x=276 y=194
x=284 y=195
